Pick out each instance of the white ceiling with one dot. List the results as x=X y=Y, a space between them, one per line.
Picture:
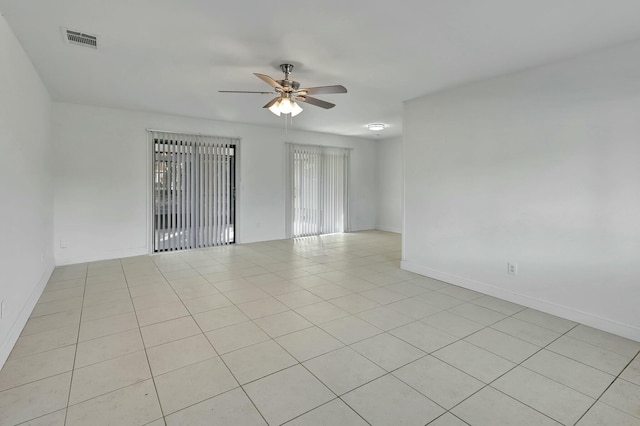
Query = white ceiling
x=173 y=56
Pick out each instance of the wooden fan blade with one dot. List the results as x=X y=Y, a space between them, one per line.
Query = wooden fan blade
x=324 y=90
x=315 y=101
x=272 y=101
x=244 y=91
x=271 y=82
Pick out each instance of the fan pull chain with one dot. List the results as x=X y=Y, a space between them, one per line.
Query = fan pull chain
x=286 y=127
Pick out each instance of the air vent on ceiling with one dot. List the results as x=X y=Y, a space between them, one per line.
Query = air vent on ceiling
x=80 y=39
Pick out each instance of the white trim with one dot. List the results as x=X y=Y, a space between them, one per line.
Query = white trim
x=320 y=146
x=192 y=134
x=103 y=255
x=601 y=323
x=403 y=249
x=287 y=184
x=237 y=226
x=14 y=332
x=396 y=230
x=150 y=194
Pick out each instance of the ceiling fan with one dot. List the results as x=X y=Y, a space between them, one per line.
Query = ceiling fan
x=289 y=91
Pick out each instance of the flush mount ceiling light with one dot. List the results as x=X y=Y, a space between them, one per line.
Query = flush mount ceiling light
x=376 y=127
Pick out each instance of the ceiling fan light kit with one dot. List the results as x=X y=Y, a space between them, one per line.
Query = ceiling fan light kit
x=275 y=108
x=295 y=109
x=289 y=91
x=285 y=105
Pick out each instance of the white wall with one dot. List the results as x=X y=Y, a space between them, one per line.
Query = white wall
x=389 y=179
x=100 y=157
x=541 y=168
x=26 y=193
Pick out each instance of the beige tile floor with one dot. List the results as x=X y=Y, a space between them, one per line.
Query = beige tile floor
x=318 y=331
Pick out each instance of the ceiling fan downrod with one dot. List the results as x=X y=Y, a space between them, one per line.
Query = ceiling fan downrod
x=286 y=69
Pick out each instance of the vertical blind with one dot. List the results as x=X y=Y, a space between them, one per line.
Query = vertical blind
x=317 y=190
x=193 y=190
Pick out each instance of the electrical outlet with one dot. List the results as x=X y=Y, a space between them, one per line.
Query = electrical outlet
x=512 y=268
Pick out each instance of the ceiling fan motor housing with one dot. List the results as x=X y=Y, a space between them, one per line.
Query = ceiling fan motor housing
x=289 y=85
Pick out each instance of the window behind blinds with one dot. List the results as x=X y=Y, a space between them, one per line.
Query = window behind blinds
x=193 y=191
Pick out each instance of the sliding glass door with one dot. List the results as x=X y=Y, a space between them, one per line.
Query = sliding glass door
x=317 y=190
x=193 y=191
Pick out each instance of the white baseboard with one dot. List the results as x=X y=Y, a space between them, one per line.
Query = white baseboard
x=106 y=255
x=604 y=324
x=14 y=332
x=389 y=229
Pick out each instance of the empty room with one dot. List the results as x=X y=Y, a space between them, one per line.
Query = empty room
x=320 y=213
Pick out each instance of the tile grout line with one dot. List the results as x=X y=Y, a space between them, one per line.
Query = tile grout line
x=75 y=355
x=284 y=349
x=108 y=359
x=444 y=414
x=300 y=363
x=486 y=385
x=322 y=405
x=364 y=356
x=274 y=340
x=143 y=345
x=607 y=388
x=520 y=365
x=240 y=386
